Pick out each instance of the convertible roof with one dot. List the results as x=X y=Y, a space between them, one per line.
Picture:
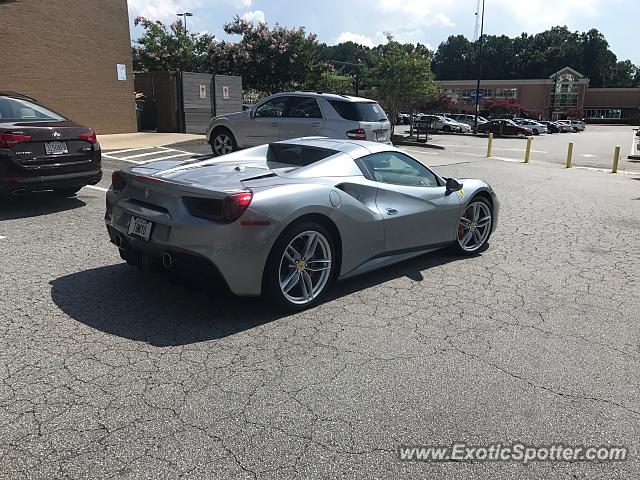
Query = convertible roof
x=352 y=147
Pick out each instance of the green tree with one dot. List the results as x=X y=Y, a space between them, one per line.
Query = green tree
x=171 y=48
x=401 y=78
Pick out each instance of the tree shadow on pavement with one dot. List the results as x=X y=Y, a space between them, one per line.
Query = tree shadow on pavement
x=122 y=301
x=35 y=205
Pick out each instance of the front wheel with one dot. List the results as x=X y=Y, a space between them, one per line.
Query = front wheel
x=300 y=267
x=223 y=142
x=446 y=129
x=474 y=227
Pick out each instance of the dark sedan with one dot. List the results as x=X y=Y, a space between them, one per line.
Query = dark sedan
x=42 y=150
x=552 y=127
x=504 y=127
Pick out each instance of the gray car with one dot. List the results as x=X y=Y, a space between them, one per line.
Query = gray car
x=284 y=220
x=299 y=114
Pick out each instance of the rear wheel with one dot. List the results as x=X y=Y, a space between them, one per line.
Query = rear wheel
x=67 y=192
x=222 y=142
x=300 y=267
x=446 y=129
x=474 y=228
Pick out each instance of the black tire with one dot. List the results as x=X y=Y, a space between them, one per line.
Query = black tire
x=446 y=129
x=536 y=131
x=457 y=247
x=222 y=142
x=67 y=192
x=271 y=289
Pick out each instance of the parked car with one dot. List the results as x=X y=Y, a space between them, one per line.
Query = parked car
x=41 y=150
x=552 y=127
x=536 y=127
x=467 y=119
x=403 y=119
x=440 y=123
x=299 y=114
x=286 y=219
x=576 y=125
x=505 y=126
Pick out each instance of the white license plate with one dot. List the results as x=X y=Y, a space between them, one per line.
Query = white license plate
x=55 y=148
x=381 y=135
x=140 y=228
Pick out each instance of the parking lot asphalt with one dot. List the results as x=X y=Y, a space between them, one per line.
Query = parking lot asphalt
x=593 y=148
x=106 y=372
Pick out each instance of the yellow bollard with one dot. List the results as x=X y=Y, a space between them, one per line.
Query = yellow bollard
x=489 y=144
x=527 y=152
x=616 y=159
x=570 y=155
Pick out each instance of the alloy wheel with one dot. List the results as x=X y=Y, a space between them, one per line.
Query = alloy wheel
x=223 y=144
x=305 y=267
x=474 y=227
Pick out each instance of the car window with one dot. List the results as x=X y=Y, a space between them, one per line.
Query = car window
x=359 y=111
x=398 y=169
x=303 y=107
x=272 y=108
x=17 y=109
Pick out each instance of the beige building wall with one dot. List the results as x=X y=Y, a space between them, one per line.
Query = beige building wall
x=64 y=53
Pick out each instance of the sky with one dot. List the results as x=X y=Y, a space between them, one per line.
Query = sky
x=426 y=21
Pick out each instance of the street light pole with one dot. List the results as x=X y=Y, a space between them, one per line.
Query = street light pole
x=475 y=121
x=184 y=16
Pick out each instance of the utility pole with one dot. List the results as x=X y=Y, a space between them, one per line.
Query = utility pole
x=184 y=15
x=475 y=121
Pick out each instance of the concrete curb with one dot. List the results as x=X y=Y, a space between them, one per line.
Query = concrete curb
x=406 y=143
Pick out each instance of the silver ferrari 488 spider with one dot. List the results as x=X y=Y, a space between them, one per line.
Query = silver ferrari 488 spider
x=286 y=219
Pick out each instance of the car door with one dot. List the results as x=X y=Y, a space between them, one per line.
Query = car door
x=416 y=208
x=265 y=123
x=302 y=118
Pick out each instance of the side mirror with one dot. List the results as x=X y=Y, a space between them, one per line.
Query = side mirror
x=252 y=112
x=453 y=185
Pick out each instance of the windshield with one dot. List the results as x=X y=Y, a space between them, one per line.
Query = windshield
x=15 y=110
x=359 y=111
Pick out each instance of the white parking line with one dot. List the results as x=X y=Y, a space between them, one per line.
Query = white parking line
x=129 y=150
x=419 y=151
x=93 y=187
x=175 y=150
x=2 y=237
x=120 y=159
x=155 y=152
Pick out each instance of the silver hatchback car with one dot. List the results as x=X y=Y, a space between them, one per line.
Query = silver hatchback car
x=299 y=114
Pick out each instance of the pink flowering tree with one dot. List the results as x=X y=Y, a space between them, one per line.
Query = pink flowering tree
x=269 y=60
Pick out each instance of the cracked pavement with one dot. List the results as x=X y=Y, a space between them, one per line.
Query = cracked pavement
x=106 y=372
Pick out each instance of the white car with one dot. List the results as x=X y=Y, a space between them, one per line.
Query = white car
x=466 y=118
x=299 y=114
x=535 y=127
x=576 y=125
x=440 y=123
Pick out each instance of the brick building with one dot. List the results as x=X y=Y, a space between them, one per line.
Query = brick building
x=551 y=97
x=67 y=54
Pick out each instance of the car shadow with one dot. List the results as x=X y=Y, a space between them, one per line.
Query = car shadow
x=36 y=204
x=127 y=303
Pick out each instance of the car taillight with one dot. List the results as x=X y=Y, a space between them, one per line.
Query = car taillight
x=7 y=140
x=117 y=181
x=89 y=136
x=357 y=134
x=226 y=210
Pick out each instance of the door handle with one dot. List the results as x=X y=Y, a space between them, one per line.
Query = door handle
x=315 y=124
x=274 y=124
x=391 y=211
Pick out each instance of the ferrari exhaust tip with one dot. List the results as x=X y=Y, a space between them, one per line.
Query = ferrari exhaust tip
x=19 y=192
x=167 y=260
x=120 y=242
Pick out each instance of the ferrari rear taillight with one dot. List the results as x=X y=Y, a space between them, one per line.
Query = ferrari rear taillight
x=357 y=134
x=89 y=136
x=7 y=140
x=225 y=210
x=117 y=181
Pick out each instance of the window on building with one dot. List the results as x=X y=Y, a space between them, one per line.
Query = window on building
x=603 y=113
x=506 y=93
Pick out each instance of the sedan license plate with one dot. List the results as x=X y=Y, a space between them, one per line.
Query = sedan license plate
x=140 y=228
x=381 y=135
x=55 y=148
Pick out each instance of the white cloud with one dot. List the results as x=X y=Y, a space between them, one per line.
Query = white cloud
x=254 y=16
x=356 y=38
x=444 y=20
x=165 y=10
x=535 y=15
